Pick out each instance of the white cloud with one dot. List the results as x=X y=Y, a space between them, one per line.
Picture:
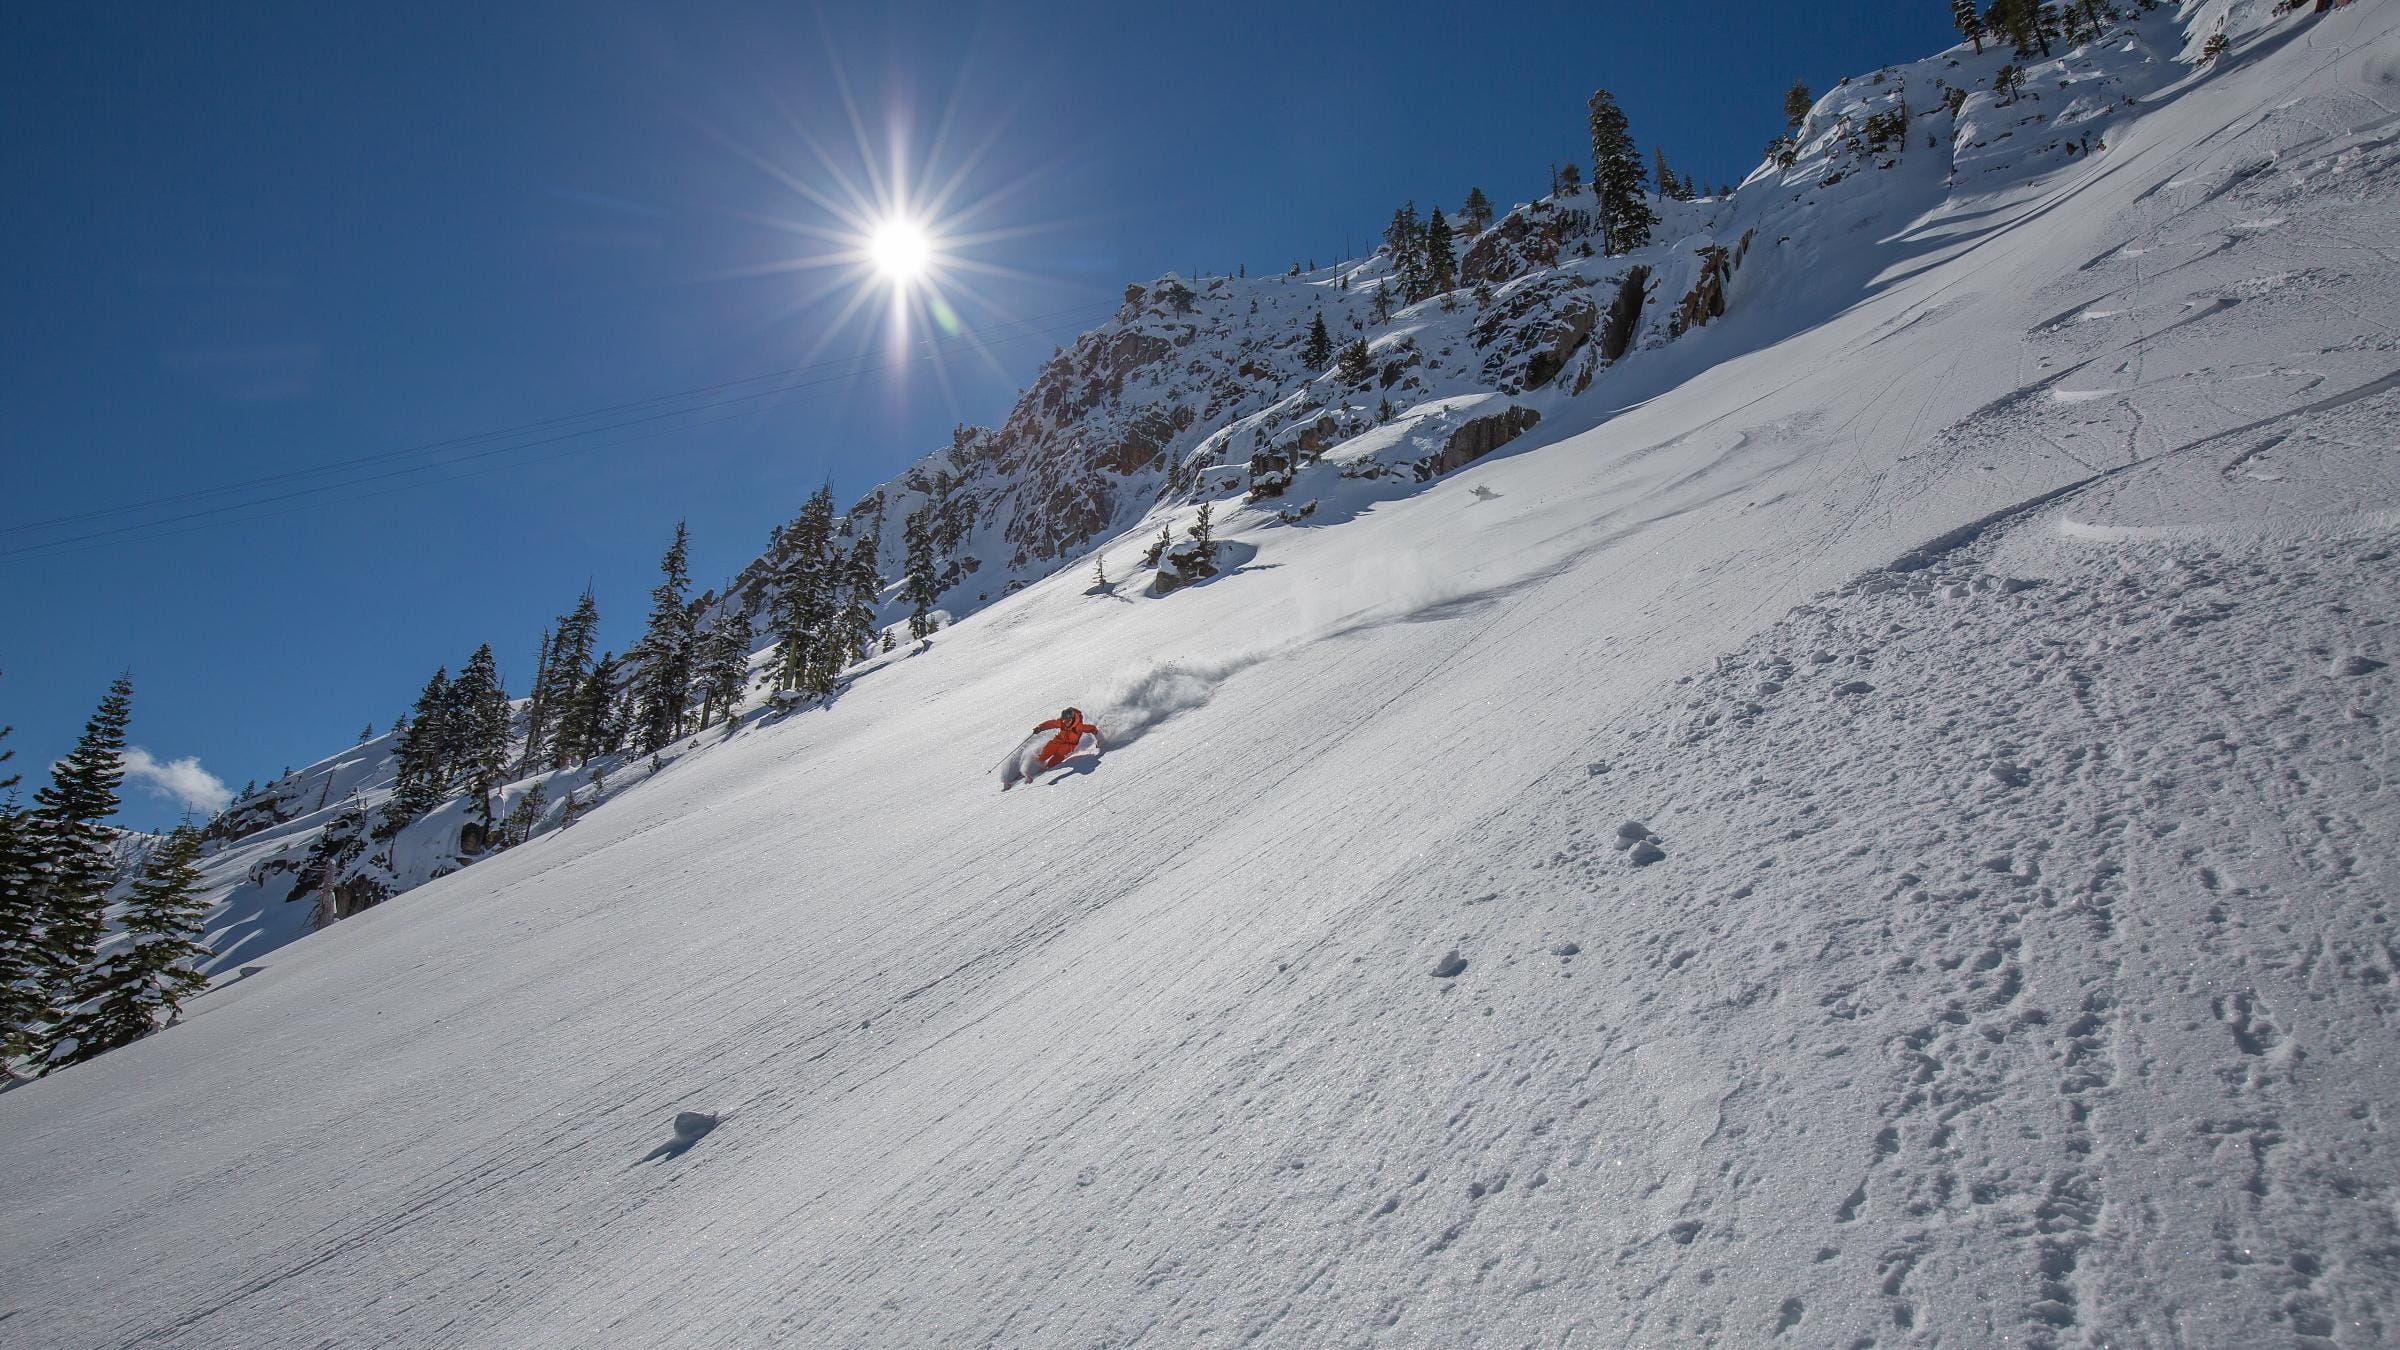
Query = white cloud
x=177 y=780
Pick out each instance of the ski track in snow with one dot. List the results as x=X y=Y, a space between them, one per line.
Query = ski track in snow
x=1885 y=842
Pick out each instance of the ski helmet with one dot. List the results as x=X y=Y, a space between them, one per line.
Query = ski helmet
x=1071 y=715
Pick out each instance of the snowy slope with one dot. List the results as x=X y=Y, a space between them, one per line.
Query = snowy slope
x=1195 y=390
x=1899 y=813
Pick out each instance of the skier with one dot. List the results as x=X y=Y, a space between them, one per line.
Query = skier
x=1071 y=729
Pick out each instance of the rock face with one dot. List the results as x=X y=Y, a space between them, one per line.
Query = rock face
x=1561 y=339
x=1526 y=240
x=1473 y=440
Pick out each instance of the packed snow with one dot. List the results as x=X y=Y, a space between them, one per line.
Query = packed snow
x=1876 y=832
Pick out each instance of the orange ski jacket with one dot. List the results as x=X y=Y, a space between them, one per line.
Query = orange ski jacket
x=1070 y=735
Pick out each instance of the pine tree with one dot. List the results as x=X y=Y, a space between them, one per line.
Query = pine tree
x=1441 y=265
x=123 y=998
x=1476 y=211
x=1797 y=102
x=1319 y=348
x=1659 y=171
x=921 y=587
x=1617 y=175
x=1570 y=178
x=1968 y=22
x=1406 y=240
x=538 y=711
x=804 y=596
x=2022 y=23
x=74 y=860
x=23 y=1008
x=421 y=778
x=1356 y=364
x=587 y=726
x=725 y=670
x=524 y=816
x=665 y=650
x=558 y=680
x=479 y=727
x=623 y=715
x=862 y=590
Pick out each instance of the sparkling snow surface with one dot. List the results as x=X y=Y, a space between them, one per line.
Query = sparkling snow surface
x=1888 y=841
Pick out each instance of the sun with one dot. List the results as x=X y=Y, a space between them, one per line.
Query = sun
x=900 y=250
x=898 y=236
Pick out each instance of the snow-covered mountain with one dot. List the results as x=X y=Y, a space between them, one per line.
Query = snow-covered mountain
x=1198 y=388
x=1861 y=819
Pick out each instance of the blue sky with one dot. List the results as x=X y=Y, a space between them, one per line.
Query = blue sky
x=244 y=241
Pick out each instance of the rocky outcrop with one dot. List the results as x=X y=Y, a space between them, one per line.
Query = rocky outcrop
x=1189 y=560
x=1473 y=440
x=1550 y=316
x=1706 y=299
x=1560 y=339
x=1625 y=313
x=1525 y=240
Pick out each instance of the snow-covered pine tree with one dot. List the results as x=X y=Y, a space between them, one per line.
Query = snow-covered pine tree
x=804 y=591
x=23 y=1008
x=725 y=669
x=1357 y=365
x=421 y=778
x=665 y=650
x=1318 y=350
x=624 y=717
x=122 y=999
x=1441 y=264
x=73 y=858
x=921 y=586
x=830 y=651
x=523 y=816
x=1476 y=211
x=1618 y=177
x=480 y=713
x=862 y=588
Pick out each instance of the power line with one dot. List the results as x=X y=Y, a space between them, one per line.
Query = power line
x=141 y=531
x=459 y=442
